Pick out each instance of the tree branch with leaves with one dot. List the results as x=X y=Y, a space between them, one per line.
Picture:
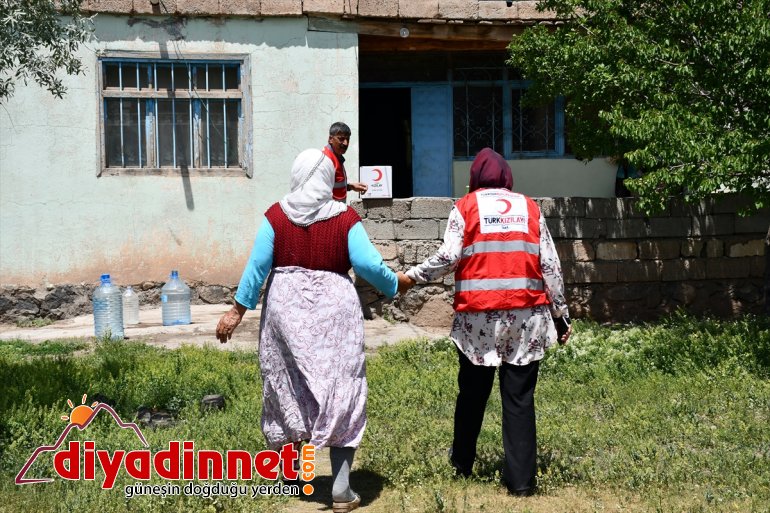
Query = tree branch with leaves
x=40 y=39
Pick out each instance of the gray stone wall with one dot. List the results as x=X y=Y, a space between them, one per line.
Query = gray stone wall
x=63 y=301
x=618 y=264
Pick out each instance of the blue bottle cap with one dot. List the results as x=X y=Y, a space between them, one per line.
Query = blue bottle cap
x=105 y=278
x=175 y=274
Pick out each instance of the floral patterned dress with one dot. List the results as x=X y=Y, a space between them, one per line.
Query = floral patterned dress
x=518 y=336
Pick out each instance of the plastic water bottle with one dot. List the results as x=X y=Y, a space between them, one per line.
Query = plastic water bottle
x=130 y=306
x=175 y=301
x=108 y=310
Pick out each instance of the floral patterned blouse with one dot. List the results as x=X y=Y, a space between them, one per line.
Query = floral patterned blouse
x=519 y=336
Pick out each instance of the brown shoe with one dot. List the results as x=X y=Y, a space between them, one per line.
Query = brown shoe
x=345 y=507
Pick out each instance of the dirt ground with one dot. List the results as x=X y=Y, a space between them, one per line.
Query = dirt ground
x=150 y=330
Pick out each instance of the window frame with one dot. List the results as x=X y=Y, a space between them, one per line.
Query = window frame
x=508 y=86
x=244 y=166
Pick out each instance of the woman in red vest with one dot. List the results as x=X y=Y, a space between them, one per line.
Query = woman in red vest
x=509 y=308
x=311 y=341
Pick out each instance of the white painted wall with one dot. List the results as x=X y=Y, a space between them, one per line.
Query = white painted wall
x=551 y=177
x=59 y=223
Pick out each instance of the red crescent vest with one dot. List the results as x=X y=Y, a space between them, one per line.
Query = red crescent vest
x=499 y=268
x=340 y=190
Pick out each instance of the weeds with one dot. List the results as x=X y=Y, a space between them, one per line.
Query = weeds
x=669 y=417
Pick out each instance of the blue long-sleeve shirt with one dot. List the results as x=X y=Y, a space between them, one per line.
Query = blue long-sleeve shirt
x=366 y=260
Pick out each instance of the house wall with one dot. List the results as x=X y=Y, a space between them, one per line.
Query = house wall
x=562 y=177
x=60 y=223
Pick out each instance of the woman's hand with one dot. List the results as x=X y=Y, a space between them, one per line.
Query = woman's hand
x=228 y=322
x=404 y=282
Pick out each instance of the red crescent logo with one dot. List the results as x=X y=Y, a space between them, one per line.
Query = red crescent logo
x=379 y=174
x=507 y=207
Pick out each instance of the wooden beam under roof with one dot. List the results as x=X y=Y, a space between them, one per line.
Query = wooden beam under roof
x=385 y=35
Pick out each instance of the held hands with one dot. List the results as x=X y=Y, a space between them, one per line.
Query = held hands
x=404 y=282
x=227 y=324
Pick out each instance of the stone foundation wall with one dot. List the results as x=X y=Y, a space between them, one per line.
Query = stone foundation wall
x=70 y=300
x=619 y=265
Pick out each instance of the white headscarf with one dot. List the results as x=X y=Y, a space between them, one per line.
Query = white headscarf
x=310 y=199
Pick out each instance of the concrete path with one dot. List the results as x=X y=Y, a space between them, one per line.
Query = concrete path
x=150 y=330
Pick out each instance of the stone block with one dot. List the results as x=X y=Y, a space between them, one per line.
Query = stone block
x=575 y=228
x=677 y=207
x=358 y=206
x=728 y=203
x=612 y=208
x=413 y=229
x=639 y=270
x=749 y=248
x=436 y=208
x=458 y=9
x=239 y=7
x=414 y=9
x=591 y=272
x=528 y=11
x=380 y=8
x=145 y=7
x=401 y=208
x=388 y=249
x=323 y=6
x=626 y=228
x=756 y=223
x=281 y=7
x=683 y=269
x=575 y=251
x=670 y=226
x=715 y=248
x=692 y=247
x=197 y=7
x=415 y=252
x=378 y=209
x=110 y=6
x=719 y=268
x=562 y=207
x=497 y=10
x=435 y=312
x=380 y=230
x=723 y=224
x=616 y=250
x=442 y=224
x=659 y=249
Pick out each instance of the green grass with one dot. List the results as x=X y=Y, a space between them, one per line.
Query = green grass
x=668 y=417
x=34 y=322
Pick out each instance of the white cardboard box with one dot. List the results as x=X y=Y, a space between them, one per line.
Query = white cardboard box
x=379 y=179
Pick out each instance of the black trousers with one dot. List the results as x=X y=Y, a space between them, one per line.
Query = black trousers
x=517 y=390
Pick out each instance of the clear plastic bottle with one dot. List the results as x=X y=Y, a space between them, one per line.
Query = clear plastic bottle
x=175 y=301
x=130 y=306
x=108 y=310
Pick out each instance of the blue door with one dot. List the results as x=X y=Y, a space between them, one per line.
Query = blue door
x=432 y=140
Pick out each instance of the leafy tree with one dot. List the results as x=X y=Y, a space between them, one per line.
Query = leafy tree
x=38 y=38
x=681 y=88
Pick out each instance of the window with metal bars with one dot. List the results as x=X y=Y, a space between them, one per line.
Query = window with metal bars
x=160 y=114
x=487 y=112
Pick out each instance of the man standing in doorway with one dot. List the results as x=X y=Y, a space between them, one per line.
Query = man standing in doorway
x=339 y=139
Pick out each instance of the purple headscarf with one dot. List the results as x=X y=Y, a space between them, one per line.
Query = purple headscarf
x=489 y=169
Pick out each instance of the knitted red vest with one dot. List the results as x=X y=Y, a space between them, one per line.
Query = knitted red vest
x=321 y=246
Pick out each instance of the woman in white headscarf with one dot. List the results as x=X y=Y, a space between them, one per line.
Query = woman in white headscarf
x=311 y=348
